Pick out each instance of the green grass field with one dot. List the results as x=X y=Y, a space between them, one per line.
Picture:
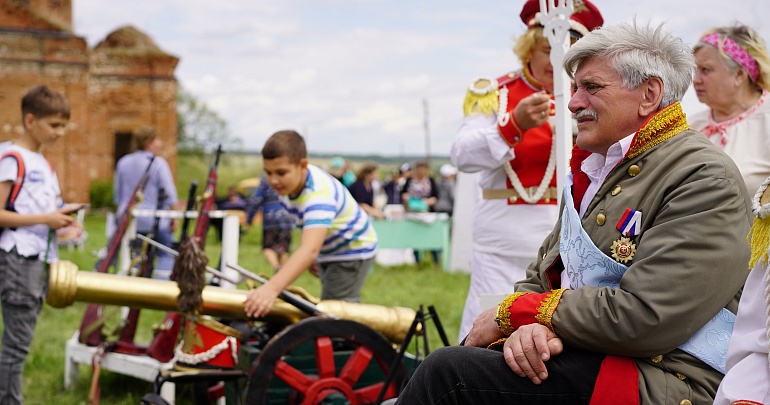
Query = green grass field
x=408 y=286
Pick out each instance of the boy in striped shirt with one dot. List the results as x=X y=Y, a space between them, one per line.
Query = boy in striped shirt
x=338 y=241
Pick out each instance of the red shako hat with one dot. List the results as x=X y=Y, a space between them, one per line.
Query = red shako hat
x=584 y=19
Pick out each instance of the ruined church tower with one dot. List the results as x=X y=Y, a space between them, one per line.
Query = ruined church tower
x=124 y=82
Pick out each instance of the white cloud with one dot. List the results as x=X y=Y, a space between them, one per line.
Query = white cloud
x=352 y=74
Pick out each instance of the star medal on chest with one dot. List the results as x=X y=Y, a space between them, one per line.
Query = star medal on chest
x=623 y=250
x=629 y=225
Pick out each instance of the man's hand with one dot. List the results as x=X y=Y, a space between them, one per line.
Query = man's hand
x=533 y=110
x=527 y=350
x=259 y=302
x=484 y=330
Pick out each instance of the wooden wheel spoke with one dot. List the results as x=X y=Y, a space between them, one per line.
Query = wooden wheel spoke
x=368 y=394
x=324 y=353
x=293 y=377
x=356 y=365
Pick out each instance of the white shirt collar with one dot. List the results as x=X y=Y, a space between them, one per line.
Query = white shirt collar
x=597 y=167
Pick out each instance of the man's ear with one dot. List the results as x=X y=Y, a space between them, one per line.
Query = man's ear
x=652 y=94
x=303 y=163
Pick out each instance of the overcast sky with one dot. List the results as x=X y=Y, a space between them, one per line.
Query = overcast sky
x=351 y=75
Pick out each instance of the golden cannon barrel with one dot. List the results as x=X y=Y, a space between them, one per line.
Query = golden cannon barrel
x=68 y=284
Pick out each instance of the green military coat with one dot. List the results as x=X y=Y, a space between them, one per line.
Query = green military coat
x=691 y=261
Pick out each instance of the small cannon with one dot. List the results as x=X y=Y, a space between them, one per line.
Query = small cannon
x=352 y=352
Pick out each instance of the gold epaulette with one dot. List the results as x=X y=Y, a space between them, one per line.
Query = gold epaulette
x=481 y=97
x=759 y=235
x=482 y=94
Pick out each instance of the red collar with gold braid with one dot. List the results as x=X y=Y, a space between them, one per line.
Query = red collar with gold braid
x=661 y=126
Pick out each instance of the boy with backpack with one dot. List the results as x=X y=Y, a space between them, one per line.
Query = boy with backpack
x=31 y=210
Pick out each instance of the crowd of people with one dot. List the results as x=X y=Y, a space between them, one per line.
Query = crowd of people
x=648 y=285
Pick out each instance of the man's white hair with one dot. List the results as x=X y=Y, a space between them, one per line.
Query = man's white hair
x=637 y=54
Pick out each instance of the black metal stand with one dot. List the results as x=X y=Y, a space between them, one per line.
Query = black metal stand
x=419 y=319
x=201 y=380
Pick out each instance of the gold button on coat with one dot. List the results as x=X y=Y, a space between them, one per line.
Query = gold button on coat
x=616 y=190
x=633 y=170
x=600 y=219
x=685 y=402
x=657 y=359
x=681 y=376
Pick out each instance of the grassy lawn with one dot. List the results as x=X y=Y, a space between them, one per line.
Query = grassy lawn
x=408 y=286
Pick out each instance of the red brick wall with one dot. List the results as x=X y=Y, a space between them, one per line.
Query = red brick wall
x=109 y=90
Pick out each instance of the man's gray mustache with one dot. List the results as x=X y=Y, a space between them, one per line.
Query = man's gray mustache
x=584 y=114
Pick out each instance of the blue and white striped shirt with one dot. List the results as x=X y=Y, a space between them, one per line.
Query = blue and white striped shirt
x=325 y=203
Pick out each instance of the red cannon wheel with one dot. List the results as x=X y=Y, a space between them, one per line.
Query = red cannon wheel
x=358 y=347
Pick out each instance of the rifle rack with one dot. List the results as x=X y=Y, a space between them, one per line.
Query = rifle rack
x=142 y=367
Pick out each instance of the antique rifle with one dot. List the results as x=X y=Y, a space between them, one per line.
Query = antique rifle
x=113 y=245
x=93 y=318
x=190 y=206
x=128 y=330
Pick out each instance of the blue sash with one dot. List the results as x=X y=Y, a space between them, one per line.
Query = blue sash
x=585 y=264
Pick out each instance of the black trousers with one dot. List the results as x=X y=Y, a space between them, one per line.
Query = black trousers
x=472 y=375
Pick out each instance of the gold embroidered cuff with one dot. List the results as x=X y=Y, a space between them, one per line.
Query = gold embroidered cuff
x=497 y=344
x=503 y=316
x=548 y=307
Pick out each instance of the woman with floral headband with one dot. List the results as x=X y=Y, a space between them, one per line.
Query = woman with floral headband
x=732 y=76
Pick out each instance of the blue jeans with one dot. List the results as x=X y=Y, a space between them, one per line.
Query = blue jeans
x=23 y=287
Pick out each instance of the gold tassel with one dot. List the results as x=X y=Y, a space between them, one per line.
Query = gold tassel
x=477 y=103
x=759 y=240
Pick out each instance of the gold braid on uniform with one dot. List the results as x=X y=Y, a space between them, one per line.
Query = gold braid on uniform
x=504 y=315
x=548 y=307
x=663 y=125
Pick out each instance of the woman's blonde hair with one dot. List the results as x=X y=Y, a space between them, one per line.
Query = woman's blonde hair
x=751 y=42
x=525 y=44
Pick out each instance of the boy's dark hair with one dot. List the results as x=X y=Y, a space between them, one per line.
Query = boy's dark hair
x=285 y=143
x=42 y=101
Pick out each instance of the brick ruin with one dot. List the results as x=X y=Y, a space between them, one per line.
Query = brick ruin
x=124 y=82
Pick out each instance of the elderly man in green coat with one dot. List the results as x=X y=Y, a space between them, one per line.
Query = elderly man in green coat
x=633 y=297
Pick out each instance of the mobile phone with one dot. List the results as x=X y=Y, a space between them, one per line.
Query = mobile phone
x=72 y=208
